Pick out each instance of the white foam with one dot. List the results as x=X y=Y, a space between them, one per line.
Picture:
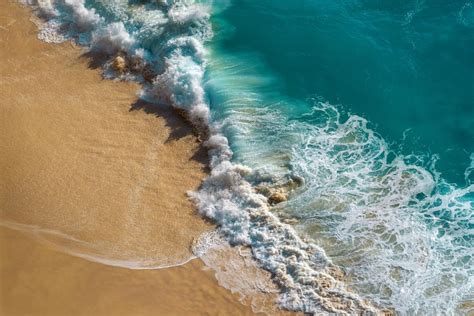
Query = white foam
x=182 y=13
x=181 y=85
x=51 y=33
x=112 y=39
x=85 y=19
x=45 y=7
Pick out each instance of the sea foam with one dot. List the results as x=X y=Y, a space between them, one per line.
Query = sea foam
x=402 y=233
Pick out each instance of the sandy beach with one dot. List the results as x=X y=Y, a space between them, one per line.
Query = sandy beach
x=88 y=170
x=190 y=157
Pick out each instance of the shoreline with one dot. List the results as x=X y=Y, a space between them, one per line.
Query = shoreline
x=302 y=191
x=117 y=186
x=144 y=250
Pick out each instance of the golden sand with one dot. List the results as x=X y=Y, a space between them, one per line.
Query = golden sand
x=84 y=173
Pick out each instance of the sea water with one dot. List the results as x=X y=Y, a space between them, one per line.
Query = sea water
x=372 y=102
x=360 y=112
x=406 y=66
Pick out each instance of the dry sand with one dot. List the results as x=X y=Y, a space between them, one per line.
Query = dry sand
x=83 y=172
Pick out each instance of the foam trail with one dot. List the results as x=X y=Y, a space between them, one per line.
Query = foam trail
x=83 y=249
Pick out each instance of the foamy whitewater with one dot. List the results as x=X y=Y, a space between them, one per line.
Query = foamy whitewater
x=343 y=221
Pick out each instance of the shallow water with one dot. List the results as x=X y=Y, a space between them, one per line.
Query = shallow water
x=368 y=106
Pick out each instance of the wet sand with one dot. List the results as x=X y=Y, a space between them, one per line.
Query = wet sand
x=88 y=170
x=36 y=280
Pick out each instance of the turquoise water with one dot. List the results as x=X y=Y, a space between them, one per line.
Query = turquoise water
x=367 y=105
x=372 y=103
x=406 y=66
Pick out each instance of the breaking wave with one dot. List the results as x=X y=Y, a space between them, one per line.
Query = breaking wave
x=309 y=192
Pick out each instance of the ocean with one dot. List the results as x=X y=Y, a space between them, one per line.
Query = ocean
x=340 y=134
